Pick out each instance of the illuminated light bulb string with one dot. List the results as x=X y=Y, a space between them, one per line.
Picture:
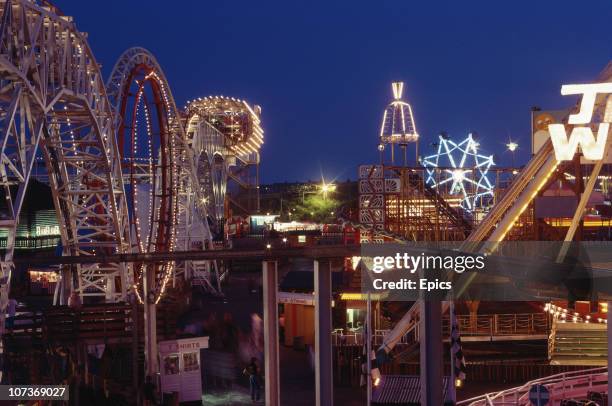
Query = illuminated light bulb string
x=141 y=165
x=168 y=267
x=244 y=136
x=564 y=315
x=533 y=195
x=138 y=230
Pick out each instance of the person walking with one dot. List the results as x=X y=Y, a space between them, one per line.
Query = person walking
x=12 y=311
x=74 y=301
x=252 y=370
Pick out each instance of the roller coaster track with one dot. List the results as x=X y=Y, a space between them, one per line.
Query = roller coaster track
x=124 y=170
x=53 y=101
x=515 y=200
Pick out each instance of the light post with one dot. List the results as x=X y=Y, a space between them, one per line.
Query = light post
x=327 y=188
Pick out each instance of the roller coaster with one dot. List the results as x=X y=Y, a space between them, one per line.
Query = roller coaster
x=129 y=171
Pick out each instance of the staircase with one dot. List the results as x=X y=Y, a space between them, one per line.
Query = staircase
x=579 y=344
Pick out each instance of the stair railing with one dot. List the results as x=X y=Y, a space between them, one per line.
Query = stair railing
x=552 y=337
x=572 y=384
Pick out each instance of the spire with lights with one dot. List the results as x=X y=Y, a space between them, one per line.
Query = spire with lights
x=398 y=126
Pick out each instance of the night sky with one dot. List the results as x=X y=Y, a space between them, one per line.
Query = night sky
x=321 y=70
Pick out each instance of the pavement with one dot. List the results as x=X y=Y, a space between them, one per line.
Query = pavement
x=235 y=397
x=297 y=375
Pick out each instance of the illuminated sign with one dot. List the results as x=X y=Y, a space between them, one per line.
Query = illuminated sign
x=47 y=230
x=593 y=147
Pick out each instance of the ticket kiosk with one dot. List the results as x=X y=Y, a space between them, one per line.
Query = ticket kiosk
x=180 y=367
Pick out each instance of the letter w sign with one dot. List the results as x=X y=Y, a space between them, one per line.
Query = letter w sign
x=593 y=147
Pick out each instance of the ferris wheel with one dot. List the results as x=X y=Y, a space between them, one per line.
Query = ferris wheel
x=460 y=170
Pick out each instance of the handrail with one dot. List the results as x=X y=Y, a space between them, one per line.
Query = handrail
x=64 y=323
x=525 y=177
x=494 y=325
x=575 y=380
x=552 y=338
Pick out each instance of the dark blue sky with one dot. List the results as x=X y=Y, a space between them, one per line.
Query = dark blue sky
x=321 y=70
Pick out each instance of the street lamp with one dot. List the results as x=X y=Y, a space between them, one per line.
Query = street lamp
x=512 y=147
x=327 y=188
x=381 y=149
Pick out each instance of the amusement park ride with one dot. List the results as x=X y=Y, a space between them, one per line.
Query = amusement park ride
x=415 y=204
x=131 y=174
x=440 y=197
x=129 y=171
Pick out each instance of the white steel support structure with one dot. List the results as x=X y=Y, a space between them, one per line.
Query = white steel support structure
x=324 y=378
x=53 y=101
x=54 y=104
x=270 y=305
x=176 y=205
x=222 y=134
x=161 y=175
x=209 y=161
x=150 y=322
x=232 y=160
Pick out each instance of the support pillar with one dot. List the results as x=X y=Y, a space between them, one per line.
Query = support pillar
x=270 y=319
x=430 y=338
x=150 y=321
x=368 y=338
x=135 y=329
x=609 y=348
x=473 y=308
x=324 y=379
x=582 y=203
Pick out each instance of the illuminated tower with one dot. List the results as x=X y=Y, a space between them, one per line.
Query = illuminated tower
x=398 y=126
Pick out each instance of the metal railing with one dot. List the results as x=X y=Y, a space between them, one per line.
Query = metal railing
x=567 y=385
x=341 y=338
x=28 y=243
x=66 y=324
x=493 y=325
x=552 y=338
